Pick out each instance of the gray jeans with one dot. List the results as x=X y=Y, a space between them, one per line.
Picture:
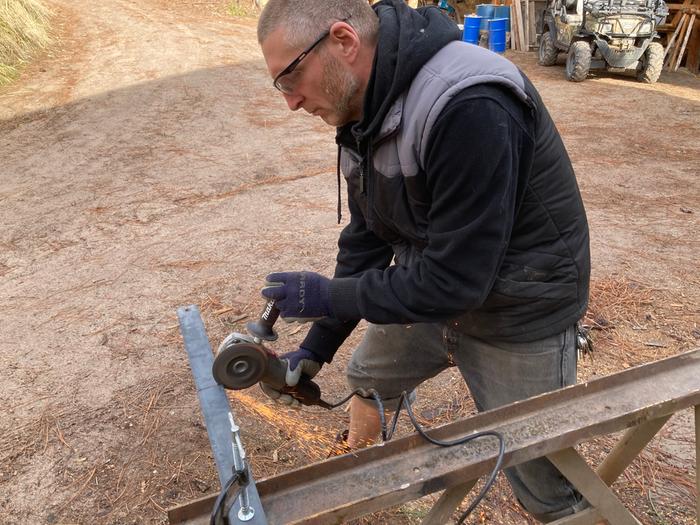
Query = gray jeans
x=396 y=358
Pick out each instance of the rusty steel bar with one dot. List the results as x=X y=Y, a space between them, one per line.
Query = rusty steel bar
x=355 y=484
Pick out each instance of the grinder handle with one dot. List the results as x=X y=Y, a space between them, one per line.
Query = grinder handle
x=305 y=391
x=262 y=328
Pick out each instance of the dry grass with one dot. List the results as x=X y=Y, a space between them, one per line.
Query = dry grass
x=23 y=31
x=242 y=7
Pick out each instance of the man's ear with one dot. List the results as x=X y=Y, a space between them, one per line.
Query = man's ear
x=344 y=41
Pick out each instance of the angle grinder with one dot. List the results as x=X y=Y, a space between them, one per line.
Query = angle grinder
x=243 y=361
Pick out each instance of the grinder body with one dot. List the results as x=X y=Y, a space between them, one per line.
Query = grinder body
x=241 y=362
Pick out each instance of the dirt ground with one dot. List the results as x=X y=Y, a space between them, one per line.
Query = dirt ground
x=146 y=163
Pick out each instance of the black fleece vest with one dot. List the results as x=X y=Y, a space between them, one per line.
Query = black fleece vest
x=542 y=286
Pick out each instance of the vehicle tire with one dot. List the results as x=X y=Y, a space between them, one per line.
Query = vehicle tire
x=651 y=63
x=547 y=53
x=578 y=61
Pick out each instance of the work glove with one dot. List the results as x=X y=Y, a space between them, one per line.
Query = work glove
x=299 y=362
x=300 y=296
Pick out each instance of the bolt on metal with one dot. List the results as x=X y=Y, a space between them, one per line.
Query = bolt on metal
x=246 y=512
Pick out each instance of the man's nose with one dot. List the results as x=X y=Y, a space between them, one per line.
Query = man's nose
x=293 y=101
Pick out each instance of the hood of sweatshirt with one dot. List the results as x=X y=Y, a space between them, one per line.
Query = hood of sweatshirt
x=408 y=38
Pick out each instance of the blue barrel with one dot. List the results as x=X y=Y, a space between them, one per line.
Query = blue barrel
x=471 y=29
x=503 y=11
x=485 y=11
x=497 y=34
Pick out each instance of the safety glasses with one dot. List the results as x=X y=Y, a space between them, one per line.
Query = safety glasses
x=285 y=81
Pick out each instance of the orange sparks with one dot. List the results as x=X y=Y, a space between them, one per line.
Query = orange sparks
x=312 y=439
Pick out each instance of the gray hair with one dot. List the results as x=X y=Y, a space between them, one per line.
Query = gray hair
x=308 y=19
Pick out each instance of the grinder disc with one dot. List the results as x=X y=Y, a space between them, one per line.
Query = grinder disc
x=239 y=365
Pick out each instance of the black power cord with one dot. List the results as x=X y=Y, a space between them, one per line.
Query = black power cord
x=219 y=514
x=388 y=434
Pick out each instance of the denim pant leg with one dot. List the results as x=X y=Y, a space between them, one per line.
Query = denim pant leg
x=395 y=358
x=499 y=373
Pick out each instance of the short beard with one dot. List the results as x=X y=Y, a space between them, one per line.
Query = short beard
x=342 y=88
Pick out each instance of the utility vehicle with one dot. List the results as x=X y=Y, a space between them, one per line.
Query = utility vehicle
x=615 y=35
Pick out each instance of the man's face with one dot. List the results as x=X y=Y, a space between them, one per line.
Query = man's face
x=320 y=83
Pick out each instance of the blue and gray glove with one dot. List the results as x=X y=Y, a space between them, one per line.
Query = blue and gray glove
x=299 y=362
x=300 y=296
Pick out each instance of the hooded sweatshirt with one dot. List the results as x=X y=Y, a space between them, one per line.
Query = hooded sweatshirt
x=457 y=173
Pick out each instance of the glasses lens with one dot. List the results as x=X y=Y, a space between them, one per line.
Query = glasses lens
x=285 y=84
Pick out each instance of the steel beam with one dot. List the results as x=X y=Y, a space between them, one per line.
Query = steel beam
x=405 y=469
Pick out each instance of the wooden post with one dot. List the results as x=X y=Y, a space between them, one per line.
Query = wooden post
x=521 y=34
x=575 y=469
x=526 y=24
x=532 y=23
x=631 y=444
x=673 y=44
x=514 y=25
x=689 y=29
x=448 y=503
x=693 y=60
x=672 y=40
x=677 y=16
x=513 y=28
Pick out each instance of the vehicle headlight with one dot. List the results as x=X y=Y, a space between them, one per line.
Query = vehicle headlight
x=647 y=27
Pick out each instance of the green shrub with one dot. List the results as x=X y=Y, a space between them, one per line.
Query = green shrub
x=23 y=31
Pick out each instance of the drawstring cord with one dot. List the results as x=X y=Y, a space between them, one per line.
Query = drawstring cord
x=337 y=173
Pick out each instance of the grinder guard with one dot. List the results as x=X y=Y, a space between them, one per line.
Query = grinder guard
x=241 y=362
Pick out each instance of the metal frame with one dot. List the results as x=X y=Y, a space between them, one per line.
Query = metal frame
x=640 y=399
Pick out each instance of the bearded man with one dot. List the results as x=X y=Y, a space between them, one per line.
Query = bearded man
x=467 y=243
